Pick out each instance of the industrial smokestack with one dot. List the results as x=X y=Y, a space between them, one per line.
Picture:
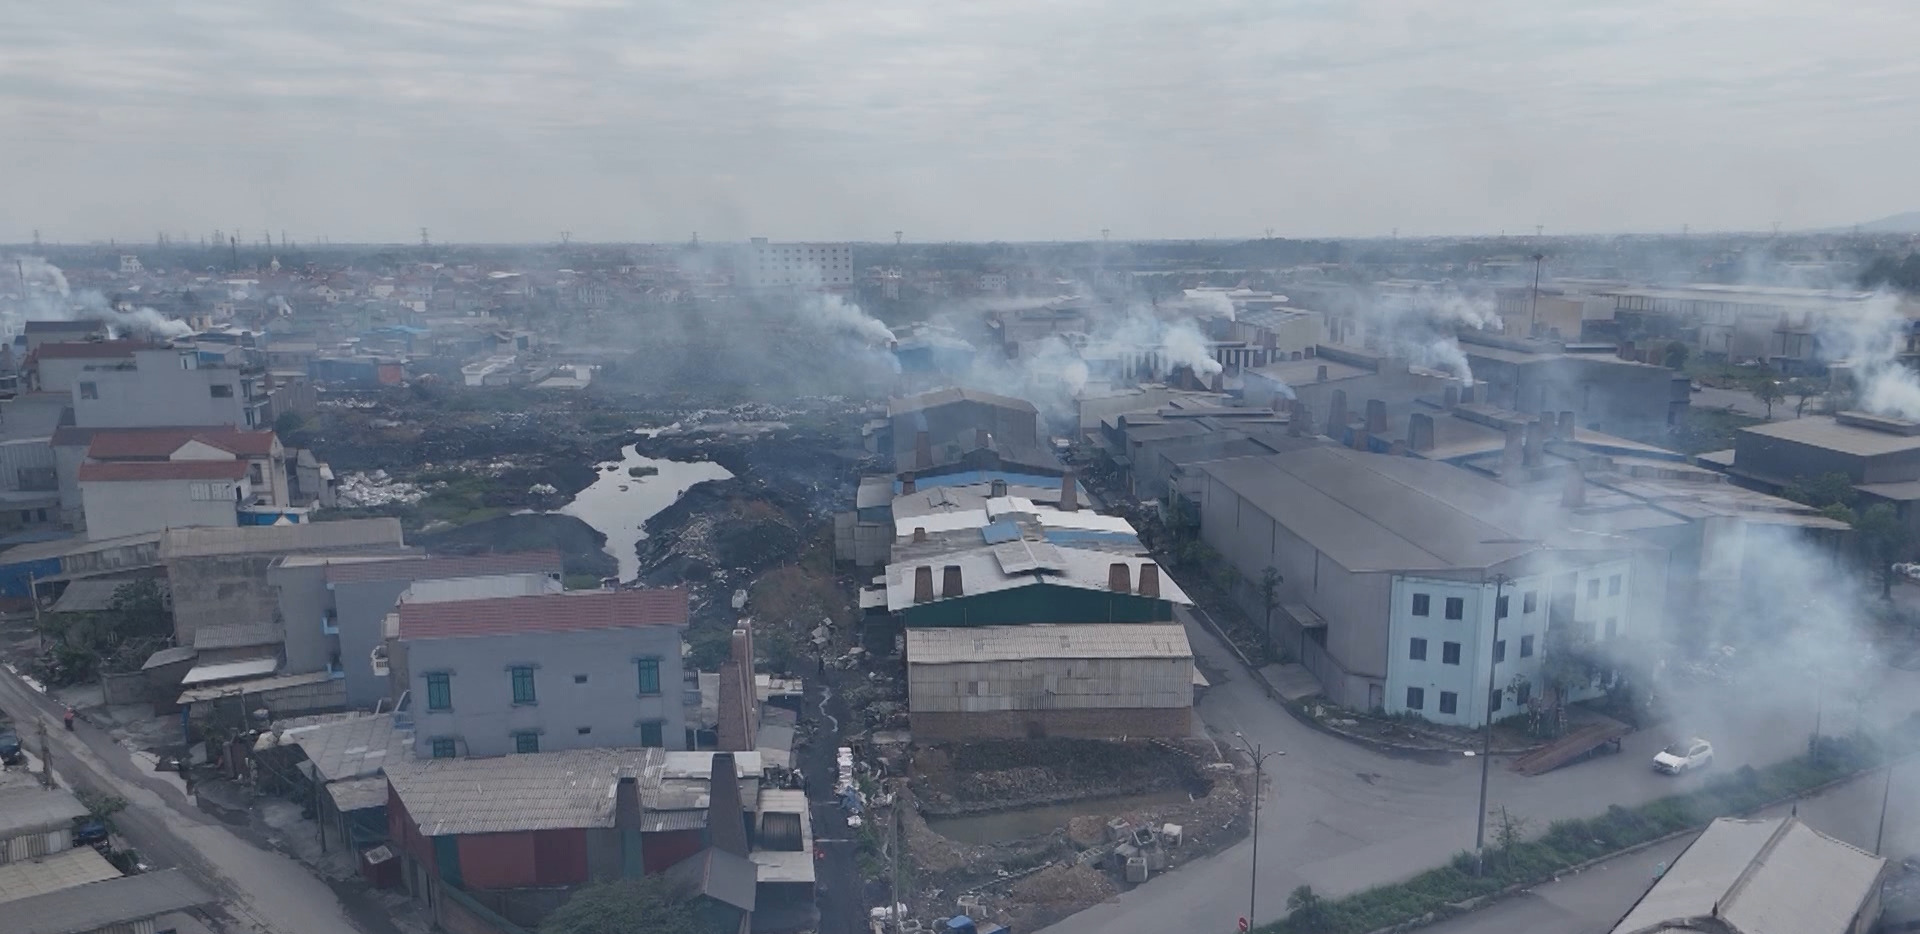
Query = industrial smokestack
x=923 y=584
x=919 y=534
x=997 y=488
x=1536 y=442
x=1452 y=396
x=907 y=485
x=1150 y=581
x=1336 y=411
x=1069 y=493
x=1220 y=382
x=1564 y=430
x=726 y=816
x=950 y=581
x=1119 y=578
x=1320 y=373
x=922 y=450
x=1512 y=456
x=1376 y=417
x=1575 y=494
x=1420 y=431
x=1468 y=394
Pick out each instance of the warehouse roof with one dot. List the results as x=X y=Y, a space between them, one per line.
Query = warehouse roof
x=939 y=397
x=563 y=612
x=66 y=869
x=344 y=749
x=1023 y=563
x=106 y=903
x=94 y=594
x=1823 y=431
x=940 y=645
x=1775 y=876
x=423 y=567
x=276 y=539
x=1374 y=512
x=90 y=350
x=536 y=791
x=32 y=809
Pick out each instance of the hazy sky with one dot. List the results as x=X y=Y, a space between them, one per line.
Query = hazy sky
x=984 y=119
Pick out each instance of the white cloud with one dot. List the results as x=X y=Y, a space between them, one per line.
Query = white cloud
x=993 y=120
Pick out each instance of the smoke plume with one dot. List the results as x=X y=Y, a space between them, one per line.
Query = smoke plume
x=1424 y=326
x=49 y=298
x=837 y=314
x=1870 y=337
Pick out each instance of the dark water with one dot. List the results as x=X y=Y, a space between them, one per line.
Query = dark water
x=619 y=513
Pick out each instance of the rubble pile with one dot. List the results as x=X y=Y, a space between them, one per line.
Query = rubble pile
x=377 y=489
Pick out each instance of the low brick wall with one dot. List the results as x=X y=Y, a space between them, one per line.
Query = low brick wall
x=1081 y=723
x=129 y=688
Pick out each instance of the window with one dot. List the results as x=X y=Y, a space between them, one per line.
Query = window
x=40 y=515
x=221 y=390
x=1613 y=626
x=1450 y=653
x=649 y=675
x=26 y=515
x=1500 y=651
x=522 y=684
x=1494 y=700
x=1449 y=702
x=1523 y=693
x=584 y=730
x=1500 y=608
x=526 y=742
x=1593 y=589
x=653 y=734
x=1530 y=602
x=1456 y=608
x=1420 y=604
x=1526 y=646
x=1613 y=586
x=255 y=474
x=89 y=390
x=444 y=748
x=1417 y=650
x=579 y=679
x=439 y=691
x=1416 y=698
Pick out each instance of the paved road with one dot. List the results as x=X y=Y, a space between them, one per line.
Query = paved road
x=1593 y=901
x=264 y=891
x=1342 y=818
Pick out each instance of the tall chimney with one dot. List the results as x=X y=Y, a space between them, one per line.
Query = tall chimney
x=1452 y=396
x=950 y=581
x=1302 y=417
x=1575 y=494
x=907 y=485
x=1336 y=411
x=1276 y=401
x=1376 y=417
x=1293 y=416
x=1320 y=373
x=739 y=723
x=1069 y=493
x=726 y=815
x=923 y=584
x=1564 y=431
x=1512 y=456
x=1220 y=381
x=1119 y=578
x=626 y=804
x=1467 y=395
x=1420 y=431
x=1536 y=441
x=1150 y=580
x=922 y=450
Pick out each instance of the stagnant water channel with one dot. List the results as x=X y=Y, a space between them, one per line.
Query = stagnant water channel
x=619 y=504
x=1021 y=823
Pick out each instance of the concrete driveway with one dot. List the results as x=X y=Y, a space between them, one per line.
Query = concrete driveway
x=1342 y=818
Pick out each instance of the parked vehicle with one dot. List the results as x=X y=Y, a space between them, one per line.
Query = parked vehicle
x=1684 y=756
x=89 y=831
x=10 y=750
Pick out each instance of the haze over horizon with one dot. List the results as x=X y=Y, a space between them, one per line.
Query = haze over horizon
x=512 y=120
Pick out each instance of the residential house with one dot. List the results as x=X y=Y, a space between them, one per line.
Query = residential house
x=556 y=671
x=219 y=575
x=162 y=386
x=38 y=333
x=56 y=366
x=140 y=480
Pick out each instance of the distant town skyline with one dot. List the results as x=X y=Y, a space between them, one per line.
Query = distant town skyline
x=616 y=121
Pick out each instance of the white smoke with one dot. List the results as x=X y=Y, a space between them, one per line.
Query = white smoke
x=837 y=314
x=1870 y=337
x=1424 y=327
x=280 y=305
x=1184 y=345
x=1211 y=303
x=49 y=298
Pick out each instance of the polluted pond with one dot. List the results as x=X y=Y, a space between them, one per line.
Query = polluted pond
x=632 y=490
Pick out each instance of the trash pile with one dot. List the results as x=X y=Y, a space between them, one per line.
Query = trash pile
x=377 y=489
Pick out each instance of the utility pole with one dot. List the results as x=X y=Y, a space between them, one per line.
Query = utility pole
x=1886 y=788
x=423 y=238
x=233 y=251
x=46 y=752
x=1260 y=757
x=1533 y=306
x=893 y=871
x=1500 y=582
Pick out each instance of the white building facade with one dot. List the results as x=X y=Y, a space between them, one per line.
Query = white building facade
x=768 y=265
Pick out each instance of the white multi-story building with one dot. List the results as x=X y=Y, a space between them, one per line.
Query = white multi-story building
x=767 y=265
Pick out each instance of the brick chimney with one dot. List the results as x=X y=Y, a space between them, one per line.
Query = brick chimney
x=726 y=815
x=1119 y=578
x=1336 y=411
x=1069 y=493
x=922 y=450
x=997 y=488
x=739 y=725
x=1150 y=580
x=950 y=581
x=1376 y=417
x=1575 y=494
x=1420 y=431
x=919 y=534
x=1564 y=430
x=923 y=584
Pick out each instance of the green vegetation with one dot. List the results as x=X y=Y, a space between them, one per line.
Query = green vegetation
x=1709 y=430
x=630 y=906
x=1881 y=539
x=81 y=646
x=1513 y=860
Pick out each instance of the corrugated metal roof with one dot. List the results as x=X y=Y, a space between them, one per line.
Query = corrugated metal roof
x=1775 y=876
x=940 y=397
x=346 y=749
x=536 y=791
x=716 y=874
x=103 y=904
x=941 y=646
x=253 y=686
x=90 y=350
x=981 y=572
x=237 y=635
x=224 y=671
x=94 y=594
x=1823 y=431
x=277 y=539
x=358 y=794
x=445 y=566
x=30 y=809
x=178 y=653
x=566 y=612
x=63 y=870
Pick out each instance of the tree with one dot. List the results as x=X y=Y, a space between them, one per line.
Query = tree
x=1768 y=391
x=1883 y=541
x=1270 y=581
x=289 y=423
x=1803 y=390
x=1306 y=908
x=1509 y=831
x=1677 y=355
x=1828 y=489
x=629 y=906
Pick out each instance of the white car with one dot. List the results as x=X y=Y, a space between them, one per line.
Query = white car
x=1684 y=756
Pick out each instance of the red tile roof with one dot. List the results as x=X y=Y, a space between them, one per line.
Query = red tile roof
x=79 y=350
x=162 y=470
x=604 y=609
x=158 y=443
x=446 y=567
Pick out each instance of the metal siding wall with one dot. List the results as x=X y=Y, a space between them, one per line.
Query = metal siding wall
x=497 y=860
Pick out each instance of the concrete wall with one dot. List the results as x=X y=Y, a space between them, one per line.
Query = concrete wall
x=1094 y=723
x=157 y=391
x=130 y=507
x=66 y=465
x=1050 y=684
x=360 y=609
x=302 y=606
x=955 y=424
x=484 y=718
x=217 y=589
x=130 y=688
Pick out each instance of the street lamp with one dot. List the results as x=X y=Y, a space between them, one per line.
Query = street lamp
x=1253 y=877
x=1500 y=582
